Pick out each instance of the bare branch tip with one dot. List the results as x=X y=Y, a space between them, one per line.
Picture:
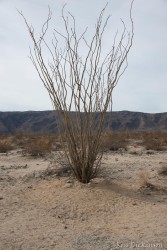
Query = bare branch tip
x=64 y=5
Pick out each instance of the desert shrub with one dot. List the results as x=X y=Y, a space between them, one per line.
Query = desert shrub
x=56 y=141
x=114 y=141
x=160 y=136
x=152 y=141
x=135 y=135
x=37 y=146
x=152 y=144
x=87 y=89
x=19 y=135
x=5 y=145
x=19 y=139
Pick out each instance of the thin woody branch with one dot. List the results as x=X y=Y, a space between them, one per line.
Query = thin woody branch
x=81 y=83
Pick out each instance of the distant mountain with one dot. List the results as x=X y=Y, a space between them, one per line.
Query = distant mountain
x=46 y=121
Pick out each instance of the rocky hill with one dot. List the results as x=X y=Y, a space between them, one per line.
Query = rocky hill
x=45 y=121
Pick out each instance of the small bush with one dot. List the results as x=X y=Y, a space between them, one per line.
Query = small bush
x=114 y=141
x=57 y=143
x=154 y=140
x=5 y=146
x=153 y=144
x=20 y=138
x=37 y=146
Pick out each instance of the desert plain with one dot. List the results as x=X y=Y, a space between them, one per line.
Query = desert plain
x=42 y=205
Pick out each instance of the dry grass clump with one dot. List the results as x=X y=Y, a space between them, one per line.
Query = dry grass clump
x=5 y=144
x=62 y=171
x=144 y=181
x=114 y=141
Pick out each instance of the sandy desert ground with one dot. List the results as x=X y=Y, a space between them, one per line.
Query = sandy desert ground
x=43 y=207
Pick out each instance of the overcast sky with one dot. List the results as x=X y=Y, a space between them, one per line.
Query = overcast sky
x=143 y=87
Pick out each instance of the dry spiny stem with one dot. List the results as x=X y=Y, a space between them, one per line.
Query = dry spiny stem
x=83 y=84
